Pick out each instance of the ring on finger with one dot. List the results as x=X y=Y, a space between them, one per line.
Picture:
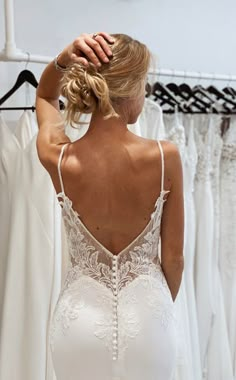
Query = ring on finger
x=95 y=35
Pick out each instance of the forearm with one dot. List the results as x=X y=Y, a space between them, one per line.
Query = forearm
x=50 y=82
x=173 y=270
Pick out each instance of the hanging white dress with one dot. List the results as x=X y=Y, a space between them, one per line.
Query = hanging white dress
x=9 y=147
x=204 y=236
x=219 y=364
x=191 y=158
x=31 y=274
x=175 y=133
x=208 y=289
x=115 y=318
x=227 y=254
x=150 y=122
x=25 y=129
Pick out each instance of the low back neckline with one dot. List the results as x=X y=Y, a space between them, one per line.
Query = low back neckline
x=112 y=255
x=69 y=205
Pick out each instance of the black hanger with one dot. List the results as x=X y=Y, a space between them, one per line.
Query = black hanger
x=162 y=92
x=203 y=97
x=188 y=97
x=23 y=77
x=220 y=95
x=230 y=91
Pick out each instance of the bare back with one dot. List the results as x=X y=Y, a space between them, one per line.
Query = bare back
x=113 y=186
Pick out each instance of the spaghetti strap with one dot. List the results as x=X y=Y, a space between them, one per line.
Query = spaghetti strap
x=59 y=167
x=162 y=166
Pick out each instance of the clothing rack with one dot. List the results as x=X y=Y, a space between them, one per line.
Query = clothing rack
x=17 y=108
x=192 y=75
x=11 y=53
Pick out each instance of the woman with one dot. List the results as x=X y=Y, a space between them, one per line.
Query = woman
x=114 y=318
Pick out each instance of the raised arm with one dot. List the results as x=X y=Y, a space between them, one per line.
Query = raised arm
x=172 y=226
x=86 y=48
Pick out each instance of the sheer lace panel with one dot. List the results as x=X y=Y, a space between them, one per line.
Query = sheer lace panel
x=90 y=258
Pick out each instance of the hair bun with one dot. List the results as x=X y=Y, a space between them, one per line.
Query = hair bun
x=76 y=88
x=85 y=90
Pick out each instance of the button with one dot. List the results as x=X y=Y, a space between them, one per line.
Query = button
x=114 y=358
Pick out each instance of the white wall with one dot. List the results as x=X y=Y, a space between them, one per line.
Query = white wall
x=195 y=35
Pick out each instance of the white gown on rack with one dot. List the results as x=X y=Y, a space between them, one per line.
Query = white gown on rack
x=218 y=358
x=9 y=147
x=227 y=254
x=115 y=317
x=175 y=133
x=190 y=164
x=204 y=236
x=31 y=280
x=26 y=128
x=150 y=122
x=214 y=347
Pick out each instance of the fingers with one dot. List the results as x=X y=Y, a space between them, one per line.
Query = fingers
x=82 y=46
x=100 y=48
x=104 y=46
x=95 y=50
x=106 y=36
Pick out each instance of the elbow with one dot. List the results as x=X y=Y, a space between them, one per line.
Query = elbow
x=174 y=260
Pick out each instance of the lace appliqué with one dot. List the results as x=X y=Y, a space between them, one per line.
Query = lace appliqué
x=70 y=302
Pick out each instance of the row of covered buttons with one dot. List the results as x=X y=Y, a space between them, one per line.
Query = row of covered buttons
x=114 y=313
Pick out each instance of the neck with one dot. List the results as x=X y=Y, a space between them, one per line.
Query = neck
x=113 y=125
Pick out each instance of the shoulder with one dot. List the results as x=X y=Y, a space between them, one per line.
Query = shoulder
x=170 y=150
x=171 y=154
x=172 y=161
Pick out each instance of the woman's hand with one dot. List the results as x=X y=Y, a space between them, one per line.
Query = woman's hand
x=87 y=48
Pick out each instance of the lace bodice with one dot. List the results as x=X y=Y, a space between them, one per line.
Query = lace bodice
x=89 y=257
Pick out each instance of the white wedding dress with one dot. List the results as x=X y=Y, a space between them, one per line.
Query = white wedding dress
x=227 y=251
x=115 y=317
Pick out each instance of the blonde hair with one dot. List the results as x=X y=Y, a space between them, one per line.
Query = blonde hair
x=87 y=89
